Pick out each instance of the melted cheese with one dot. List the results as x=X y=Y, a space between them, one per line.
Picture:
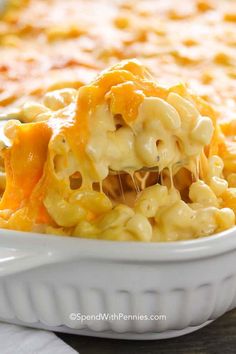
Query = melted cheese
x=122 y=121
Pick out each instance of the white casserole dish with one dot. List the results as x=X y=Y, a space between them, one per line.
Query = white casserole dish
x=43 y=279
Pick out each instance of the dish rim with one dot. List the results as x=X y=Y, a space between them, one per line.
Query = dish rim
x=74 y=247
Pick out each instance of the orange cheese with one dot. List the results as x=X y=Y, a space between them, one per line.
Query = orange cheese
x=24 y=164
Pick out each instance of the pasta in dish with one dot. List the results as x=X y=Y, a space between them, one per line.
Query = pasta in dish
x=156 y=143
x=130 y=154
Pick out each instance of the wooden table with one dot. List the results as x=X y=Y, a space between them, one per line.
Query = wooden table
x=217 y=338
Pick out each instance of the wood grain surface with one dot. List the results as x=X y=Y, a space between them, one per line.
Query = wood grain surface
x=217 y=338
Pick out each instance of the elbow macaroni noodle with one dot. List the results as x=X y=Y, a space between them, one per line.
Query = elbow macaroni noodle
x=118 y=157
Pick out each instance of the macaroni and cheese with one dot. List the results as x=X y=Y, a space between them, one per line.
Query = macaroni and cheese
x=63 y=165
x=125 y=155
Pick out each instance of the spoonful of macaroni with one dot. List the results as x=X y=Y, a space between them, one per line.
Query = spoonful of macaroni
x=72 y=161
